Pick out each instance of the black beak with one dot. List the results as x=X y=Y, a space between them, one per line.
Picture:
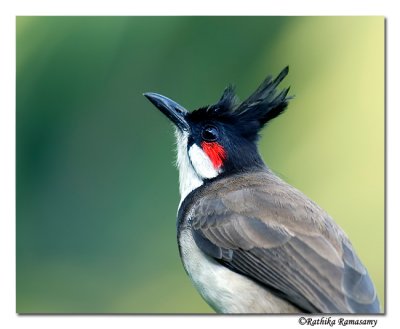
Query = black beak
x=176 y=113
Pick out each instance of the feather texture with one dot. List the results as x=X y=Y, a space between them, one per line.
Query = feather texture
x=257 y=225
x=265 y=104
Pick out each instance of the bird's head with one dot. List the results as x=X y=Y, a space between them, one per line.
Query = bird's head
x=221 y=138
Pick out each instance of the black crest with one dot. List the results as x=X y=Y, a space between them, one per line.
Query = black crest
x=265 y=104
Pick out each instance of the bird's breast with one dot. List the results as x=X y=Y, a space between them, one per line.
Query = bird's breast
x=224 y=290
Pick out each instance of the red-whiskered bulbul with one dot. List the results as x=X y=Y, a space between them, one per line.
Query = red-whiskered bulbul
x=250 y=242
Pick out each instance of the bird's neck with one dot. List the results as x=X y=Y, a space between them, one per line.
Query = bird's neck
x=249 y=160
x=189 y=180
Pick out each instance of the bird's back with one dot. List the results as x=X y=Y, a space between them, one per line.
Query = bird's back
x=254 y=230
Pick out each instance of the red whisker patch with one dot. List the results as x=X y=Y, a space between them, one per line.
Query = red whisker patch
x=215 y=152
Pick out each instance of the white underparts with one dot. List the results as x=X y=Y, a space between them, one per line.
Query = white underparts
x=224 y=290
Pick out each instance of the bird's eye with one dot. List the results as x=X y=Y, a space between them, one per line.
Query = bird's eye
x=210 y=133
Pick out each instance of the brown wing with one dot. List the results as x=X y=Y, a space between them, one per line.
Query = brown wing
x=273 y=234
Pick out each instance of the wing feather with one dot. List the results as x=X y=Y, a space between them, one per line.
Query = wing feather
x=273 y=234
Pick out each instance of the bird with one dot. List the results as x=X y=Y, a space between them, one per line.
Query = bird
x=249 y=241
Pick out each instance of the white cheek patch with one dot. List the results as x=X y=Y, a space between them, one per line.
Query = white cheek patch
x=202 y=163
x=188 y=178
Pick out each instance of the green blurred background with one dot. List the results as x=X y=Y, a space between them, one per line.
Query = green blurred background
x=97 y=191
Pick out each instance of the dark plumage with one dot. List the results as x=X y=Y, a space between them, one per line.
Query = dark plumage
x=249 y=241
x=259 y=226
x=251 y=115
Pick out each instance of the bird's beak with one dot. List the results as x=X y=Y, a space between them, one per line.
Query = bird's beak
x=175 y=112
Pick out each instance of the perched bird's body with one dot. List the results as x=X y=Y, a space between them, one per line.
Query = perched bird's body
x=250 y=242
x=225 y=290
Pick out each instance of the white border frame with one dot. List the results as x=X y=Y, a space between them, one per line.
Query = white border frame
x=8 y=12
